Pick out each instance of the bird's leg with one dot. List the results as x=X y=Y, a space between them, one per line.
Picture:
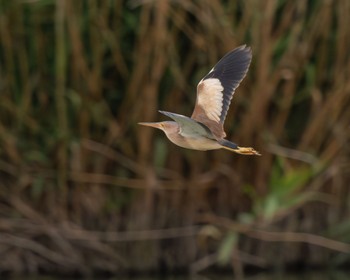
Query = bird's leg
x=246 y=151
x=233 y=147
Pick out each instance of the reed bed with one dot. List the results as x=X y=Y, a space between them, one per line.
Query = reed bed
x=84 y=189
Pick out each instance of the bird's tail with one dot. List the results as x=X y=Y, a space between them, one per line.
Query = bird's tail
x=235 y=148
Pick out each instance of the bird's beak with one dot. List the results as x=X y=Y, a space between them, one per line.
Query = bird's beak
x=152 y=124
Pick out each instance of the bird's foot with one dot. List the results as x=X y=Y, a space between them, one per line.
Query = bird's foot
x=247 y=151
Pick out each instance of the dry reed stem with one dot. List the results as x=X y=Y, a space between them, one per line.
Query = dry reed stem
x=261 y=234
x=61 y=107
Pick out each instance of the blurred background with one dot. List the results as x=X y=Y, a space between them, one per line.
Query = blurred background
x=84 y=189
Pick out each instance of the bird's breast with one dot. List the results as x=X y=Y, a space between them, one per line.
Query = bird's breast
x=195 y=143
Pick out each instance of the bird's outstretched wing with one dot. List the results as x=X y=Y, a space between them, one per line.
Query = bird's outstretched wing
x=215 y=90
x=188 y=126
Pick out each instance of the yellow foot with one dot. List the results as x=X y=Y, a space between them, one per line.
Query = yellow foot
x=246 y=151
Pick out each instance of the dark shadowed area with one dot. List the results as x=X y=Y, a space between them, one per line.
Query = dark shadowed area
x=84 y=189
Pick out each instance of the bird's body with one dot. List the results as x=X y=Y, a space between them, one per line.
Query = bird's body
x=193 y=141
x=204 y=130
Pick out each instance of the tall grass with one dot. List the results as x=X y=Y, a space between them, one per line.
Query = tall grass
x=83 y=188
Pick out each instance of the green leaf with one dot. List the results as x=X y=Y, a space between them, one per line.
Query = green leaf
x=226 y=247
x=246 y=218
x=271 y=206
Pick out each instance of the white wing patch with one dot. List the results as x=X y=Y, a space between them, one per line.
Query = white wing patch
x=210 y=98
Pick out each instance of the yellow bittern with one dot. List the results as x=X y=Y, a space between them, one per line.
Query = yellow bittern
x=205 y=129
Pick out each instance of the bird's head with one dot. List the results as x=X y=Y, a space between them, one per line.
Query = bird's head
x=167 y=126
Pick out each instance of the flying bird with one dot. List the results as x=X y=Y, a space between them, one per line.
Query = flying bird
x=204 y=130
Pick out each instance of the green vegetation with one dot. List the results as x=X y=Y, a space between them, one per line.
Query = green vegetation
x=83 y=188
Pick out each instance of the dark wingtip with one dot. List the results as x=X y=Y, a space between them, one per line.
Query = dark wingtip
x=248 y=49
x=244 y=48
x=162 y=112
x=165 y=113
